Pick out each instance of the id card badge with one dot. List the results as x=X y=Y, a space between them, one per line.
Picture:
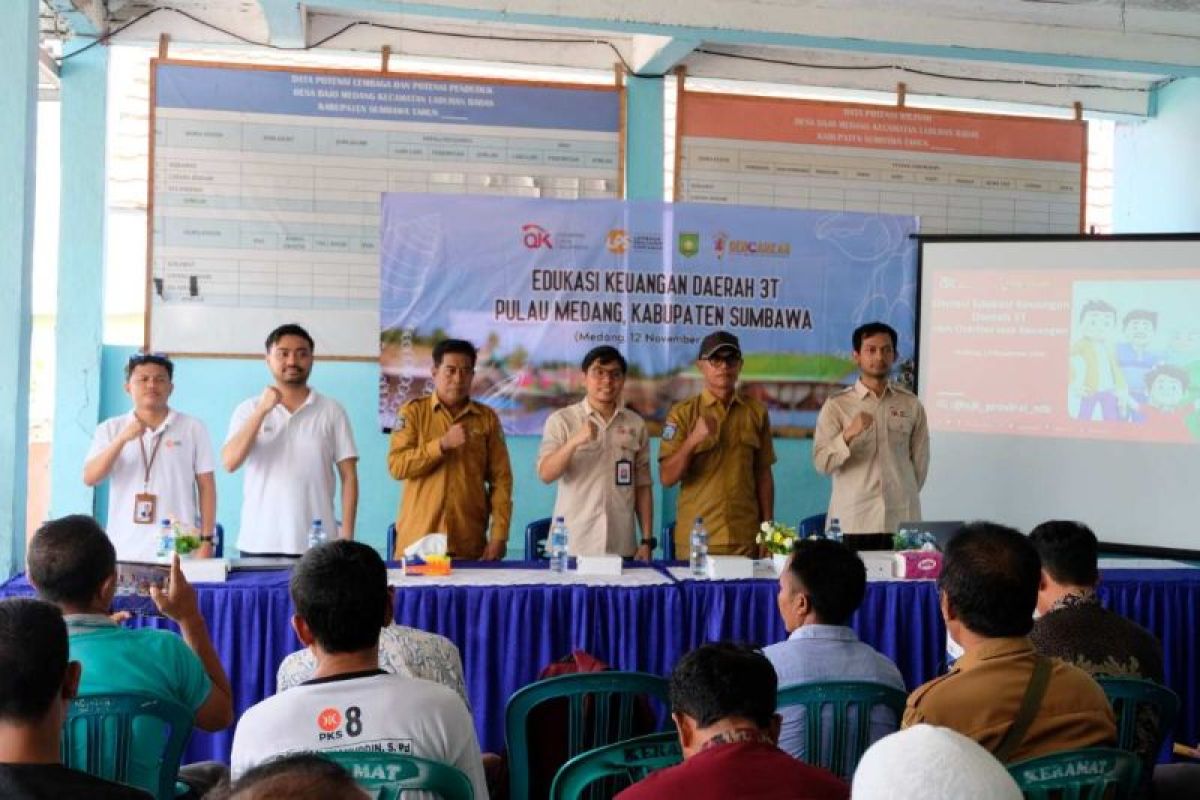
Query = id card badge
x=143 y=508
x=624 y=472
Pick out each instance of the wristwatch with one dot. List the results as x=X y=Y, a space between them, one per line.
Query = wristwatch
x=651 y=542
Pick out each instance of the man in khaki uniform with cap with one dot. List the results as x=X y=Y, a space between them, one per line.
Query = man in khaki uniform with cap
x=599 y=453
x=719 y=445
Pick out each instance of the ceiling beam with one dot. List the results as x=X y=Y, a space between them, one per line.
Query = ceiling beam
x=658 y=55
x=287 y=21
x=1106 y=50
x=85 y=17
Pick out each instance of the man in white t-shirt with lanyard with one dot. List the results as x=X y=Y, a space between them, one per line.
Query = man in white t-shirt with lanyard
x=342 y=601
x=290 y=438
x=159 y=464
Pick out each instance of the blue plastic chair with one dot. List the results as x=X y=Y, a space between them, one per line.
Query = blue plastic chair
x=600 y=711
x=811 y=526
x=219 y=547
x=668 y=541
x=536 y=534
x=98 y=737
x=1093 y=773
x=838 y=719
x=390 y=553
x=387 y=776
x=619 y=765
x=1154 y=703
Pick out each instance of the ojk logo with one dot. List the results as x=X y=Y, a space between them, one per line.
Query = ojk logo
x=535 y=237
x=617 y=241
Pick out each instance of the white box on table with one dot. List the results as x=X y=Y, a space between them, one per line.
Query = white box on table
x=204 y=570
x=729 y=567
x=880 y=564
x=598 y=565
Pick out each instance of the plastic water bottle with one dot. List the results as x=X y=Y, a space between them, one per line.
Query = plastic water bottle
x=557 y=546
x=166 y=539
x=835 y=530
x=316 y=534
x=698 y=560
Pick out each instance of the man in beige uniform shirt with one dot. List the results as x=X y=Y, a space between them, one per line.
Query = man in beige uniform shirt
x=873 y=439
x=718 y=445
x=599 y=453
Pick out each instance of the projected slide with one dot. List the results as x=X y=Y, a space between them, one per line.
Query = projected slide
x=1093 y=353
x=1061 y=379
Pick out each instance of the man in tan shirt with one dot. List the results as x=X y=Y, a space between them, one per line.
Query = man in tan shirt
x=989 y=587
x=599 y=453
x=449 y=450
x=873 y=439
x=719 y=445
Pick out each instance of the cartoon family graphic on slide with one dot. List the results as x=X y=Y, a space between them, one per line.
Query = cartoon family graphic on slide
x=1137 y=361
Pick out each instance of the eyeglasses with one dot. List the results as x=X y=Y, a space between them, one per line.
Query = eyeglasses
x=148 y=358
x=728 y=361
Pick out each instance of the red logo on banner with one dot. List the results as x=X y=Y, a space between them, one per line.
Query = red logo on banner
x=535 y=237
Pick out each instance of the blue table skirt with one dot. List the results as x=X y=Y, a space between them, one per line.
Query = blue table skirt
x=506 y=634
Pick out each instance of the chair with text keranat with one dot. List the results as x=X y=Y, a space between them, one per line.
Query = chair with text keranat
x=616 y=766
x=838 y=719
x=388 y=776
x=1093 y=773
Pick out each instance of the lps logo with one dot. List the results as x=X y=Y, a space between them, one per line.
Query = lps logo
x=617 y=241
x=719 y=244
x=535 y=237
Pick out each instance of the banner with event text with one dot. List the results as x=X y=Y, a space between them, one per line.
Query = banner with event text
x=535 y=284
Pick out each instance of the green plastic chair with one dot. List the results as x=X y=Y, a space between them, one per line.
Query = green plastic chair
x=98 y=737
x=1087 y=774
x=619 y=765
x=1128 y=696
x=838 y=719
x=387 y=775
x=592 y=699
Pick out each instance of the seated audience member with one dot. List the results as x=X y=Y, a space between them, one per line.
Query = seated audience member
x=406 y=651
x=1072 y=625
x=300 y=776
x=926 y=762
x=37 y=684
x=342 y=601
x=723 y=705
x=989 y=586
x=823 y=584
x=73 y=564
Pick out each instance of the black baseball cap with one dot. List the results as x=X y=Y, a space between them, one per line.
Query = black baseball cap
x=719 y=340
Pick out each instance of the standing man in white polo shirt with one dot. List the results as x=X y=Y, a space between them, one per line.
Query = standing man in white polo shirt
x=290 y=438
x=599 y=453
x=160 y=463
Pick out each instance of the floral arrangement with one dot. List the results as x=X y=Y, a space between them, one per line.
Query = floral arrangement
x=776 y=537
x=911 y=540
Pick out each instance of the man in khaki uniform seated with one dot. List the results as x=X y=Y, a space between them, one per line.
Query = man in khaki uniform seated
x=718 y=444
x=989 y=587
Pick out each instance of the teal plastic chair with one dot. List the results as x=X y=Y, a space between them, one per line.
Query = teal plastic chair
x=1094 y=773
x=536 y=534
x=619 y=765
x=98 y=737
x=600 y=711
x=1128 y=697
x=838 y=719
x=387 y=775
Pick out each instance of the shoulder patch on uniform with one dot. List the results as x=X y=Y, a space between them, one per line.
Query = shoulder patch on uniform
x=669 y=431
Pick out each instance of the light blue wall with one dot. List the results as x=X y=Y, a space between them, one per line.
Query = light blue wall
x=210 y=388
x=80 y=324
x=1156 y=166
x=18 y=138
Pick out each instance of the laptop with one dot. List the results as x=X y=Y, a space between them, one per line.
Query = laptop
x=939 y=531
